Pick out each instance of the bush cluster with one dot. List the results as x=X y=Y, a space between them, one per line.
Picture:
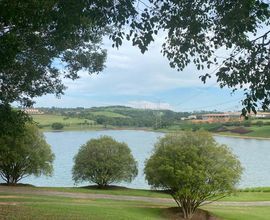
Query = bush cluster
x=191 y=166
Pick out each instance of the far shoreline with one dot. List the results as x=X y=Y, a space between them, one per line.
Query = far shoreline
x=152 y=130
x=242 y=137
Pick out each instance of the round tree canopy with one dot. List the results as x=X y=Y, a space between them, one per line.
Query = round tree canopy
x=104 y=161
x=193 y=168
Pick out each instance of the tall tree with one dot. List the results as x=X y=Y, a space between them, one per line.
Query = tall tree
x=193 y=168
x=12 y=122
x=42 y=42
x=24 y=155
x=35 y=36
x=196 y=31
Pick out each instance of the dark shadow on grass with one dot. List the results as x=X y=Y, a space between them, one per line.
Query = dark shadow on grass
x=110 y=187
x=175 y=213
x=17 y=185
x=115 y=187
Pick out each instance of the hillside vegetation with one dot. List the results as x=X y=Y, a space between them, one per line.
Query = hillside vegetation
x=122 y=117
x=108 y=117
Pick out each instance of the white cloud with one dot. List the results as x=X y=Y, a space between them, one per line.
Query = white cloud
x=149 y=105
x=128 y=72
x=130 y=75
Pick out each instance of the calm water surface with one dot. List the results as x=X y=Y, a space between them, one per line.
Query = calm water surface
x=253 y=154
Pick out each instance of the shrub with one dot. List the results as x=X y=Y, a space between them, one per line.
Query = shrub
x=57 y=126
x=247 y=123
x=259 y=123
x=104 y=161
x=193 y=168
x=24 y=155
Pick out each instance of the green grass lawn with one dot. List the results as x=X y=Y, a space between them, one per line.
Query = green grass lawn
x=237 y=197
x=49 y=207
x=248 y=197
x=260 y=132
x=13 y=206
x=115 y=191
x=252 y=194
x=70 y=123
x=263 y=131
x=23 y=206
x=240 y=213
x=47 y=119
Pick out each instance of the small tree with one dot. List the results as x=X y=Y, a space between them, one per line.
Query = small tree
x=104 y=161
x=57 y=126
x=259 y=123
x=25 y=154
x=193 y=168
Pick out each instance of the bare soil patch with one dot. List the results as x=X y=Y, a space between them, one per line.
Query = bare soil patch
x=174 y=213
x=9 y=203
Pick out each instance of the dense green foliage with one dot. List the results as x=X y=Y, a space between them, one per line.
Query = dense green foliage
x=198 y=32
x=122 y=116
x=104 y=161
x=36 y=36
x=12 y=121
x=57 y=126
x=25 y=154
x=193 y=168
x=112 y=117
x=43 y=41
x=164 y=120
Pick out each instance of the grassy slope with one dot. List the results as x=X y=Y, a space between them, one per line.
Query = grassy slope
x=260 y=132
x=49 y=207
x=47 y=119
x=73 y=123
x=263 y=131
x=54 y=207
x=254 y=194
x=240 y=213
x=70 y=123
x=118 y=191
x=109 y=114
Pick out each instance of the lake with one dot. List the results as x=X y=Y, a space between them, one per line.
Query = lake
x=253 y=154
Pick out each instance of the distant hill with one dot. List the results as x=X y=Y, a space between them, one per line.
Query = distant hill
x=121 y=116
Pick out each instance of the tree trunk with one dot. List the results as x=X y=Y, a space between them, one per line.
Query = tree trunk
x=187 y=213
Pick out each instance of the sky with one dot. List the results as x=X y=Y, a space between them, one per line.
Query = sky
x=144 y=81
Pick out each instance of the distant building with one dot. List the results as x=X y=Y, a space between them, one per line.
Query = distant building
x=33 y=111
x=221 y=117
x=192 y=117
x=263 y=115
x=225 y=117
x=215 y=117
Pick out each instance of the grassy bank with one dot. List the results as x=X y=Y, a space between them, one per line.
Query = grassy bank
x=25 y=206
x=45 y=122
x=240 y=212
x=252 y=194
x=50 y=207
x=256 y=132
x=242 y=195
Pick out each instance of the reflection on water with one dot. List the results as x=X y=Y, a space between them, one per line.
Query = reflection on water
x=253 y=154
